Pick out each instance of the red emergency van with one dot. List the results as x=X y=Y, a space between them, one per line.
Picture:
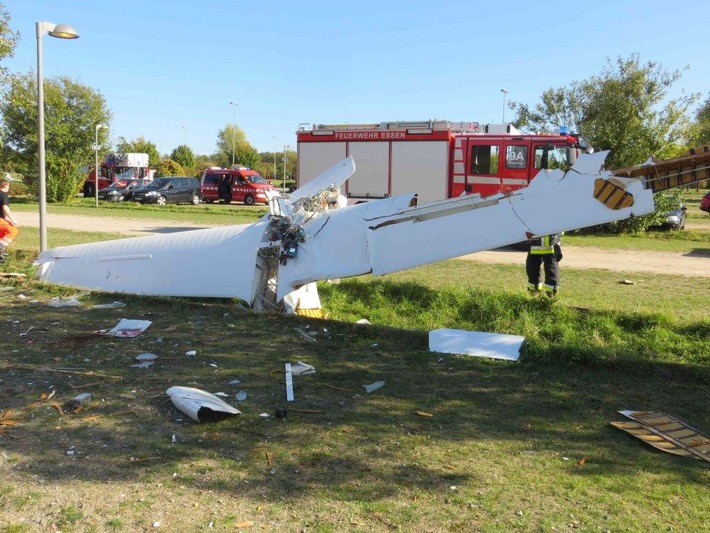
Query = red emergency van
x=239 y=185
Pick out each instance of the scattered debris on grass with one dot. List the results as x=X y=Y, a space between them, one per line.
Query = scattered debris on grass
x=63 y=302
x=304 y=335
x=112 y=305
x=78 y=403
x=373 y=386
x=199 y=405
x=289 y=383
x=126 y=328
x=666 y=433
x=302 y=369
x=476 y=343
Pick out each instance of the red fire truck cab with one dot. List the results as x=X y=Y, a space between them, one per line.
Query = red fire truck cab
x=434 y=159
x=118 y=167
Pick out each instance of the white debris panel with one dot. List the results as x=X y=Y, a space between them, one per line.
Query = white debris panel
x=311 y=236
x=476 y=343
x=200 y=405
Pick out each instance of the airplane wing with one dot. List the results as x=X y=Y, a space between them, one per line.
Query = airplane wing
x=306 y=239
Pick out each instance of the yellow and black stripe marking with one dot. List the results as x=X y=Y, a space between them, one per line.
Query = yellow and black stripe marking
x=666 y=433
x=612 y=193
x=310 y=313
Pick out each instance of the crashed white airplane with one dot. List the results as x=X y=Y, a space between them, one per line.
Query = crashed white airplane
x=309 y=236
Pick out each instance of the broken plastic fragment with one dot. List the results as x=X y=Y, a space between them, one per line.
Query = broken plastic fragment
x=146 y=356
x=191 y=353
x=77 y=403
x=143 y=364
x=199 y=405
x=302 y=369
x=304 y=335
x=63 y=302
x=363 y=321
x=112 y=305
x=373 y=386
x=127 y=328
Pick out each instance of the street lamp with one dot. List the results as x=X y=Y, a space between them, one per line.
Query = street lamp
x=61 y=31
x=284 y=162
x=96 y=161
x=504 y=93
x=234 y=128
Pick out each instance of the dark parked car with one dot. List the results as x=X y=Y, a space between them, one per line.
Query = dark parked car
x=121 y=190
x=170 y=189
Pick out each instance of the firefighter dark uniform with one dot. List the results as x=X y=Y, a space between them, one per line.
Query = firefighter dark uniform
x=546 y=251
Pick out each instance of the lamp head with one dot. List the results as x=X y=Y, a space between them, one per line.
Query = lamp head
x=64 y=31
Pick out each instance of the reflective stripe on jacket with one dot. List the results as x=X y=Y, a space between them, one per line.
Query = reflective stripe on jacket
x=544 y=245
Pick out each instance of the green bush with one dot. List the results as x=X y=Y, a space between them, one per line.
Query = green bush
x=168 y=167
x=18 y=188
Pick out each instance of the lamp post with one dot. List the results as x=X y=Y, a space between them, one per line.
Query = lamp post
x=96 y=161
x=284 y=162
x=234 y=129
x=504 y=93
x=274 y=138
x=61 y=31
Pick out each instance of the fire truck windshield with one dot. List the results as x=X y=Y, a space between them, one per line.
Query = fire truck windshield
x=125 y=173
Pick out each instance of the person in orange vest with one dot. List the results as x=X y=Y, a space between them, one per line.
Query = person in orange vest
x=8 y=224
x=544 y=251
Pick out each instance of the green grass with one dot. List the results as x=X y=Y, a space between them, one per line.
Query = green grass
x=217 y=214
x=662 y=241
x=498 y=454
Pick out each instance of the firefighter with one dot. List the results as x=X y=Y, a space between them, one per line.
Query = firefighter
x=8 y=224
x=546 y=251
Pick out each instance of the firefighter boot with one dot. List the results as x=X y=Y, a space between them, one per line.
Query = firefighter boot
x=533 y=289
x=549 y=292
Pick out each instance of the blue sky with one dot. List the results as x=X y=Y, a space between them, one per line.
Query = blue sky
x=169 y=69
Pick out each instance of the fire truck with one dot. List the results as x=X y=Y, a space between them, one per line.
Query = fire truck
x=436 y=159
x=118 y=167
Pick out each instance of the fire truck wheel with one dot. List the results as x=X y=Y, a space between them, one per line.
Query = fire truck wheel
x=248 y=200
x=162 y=200
x=195 y=199
x=88 y=190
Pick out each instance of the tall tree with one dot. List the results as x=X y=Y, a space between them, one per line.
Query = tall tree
x=72 y=111
x=184 y=156
x=623 y=109
x=232 y=140
x=140 y=146
x=169 y=167
x=701 y=126
x=8 y=39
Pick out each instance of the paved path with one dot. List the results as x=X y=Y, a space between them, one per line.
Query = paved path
x=693 y=264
